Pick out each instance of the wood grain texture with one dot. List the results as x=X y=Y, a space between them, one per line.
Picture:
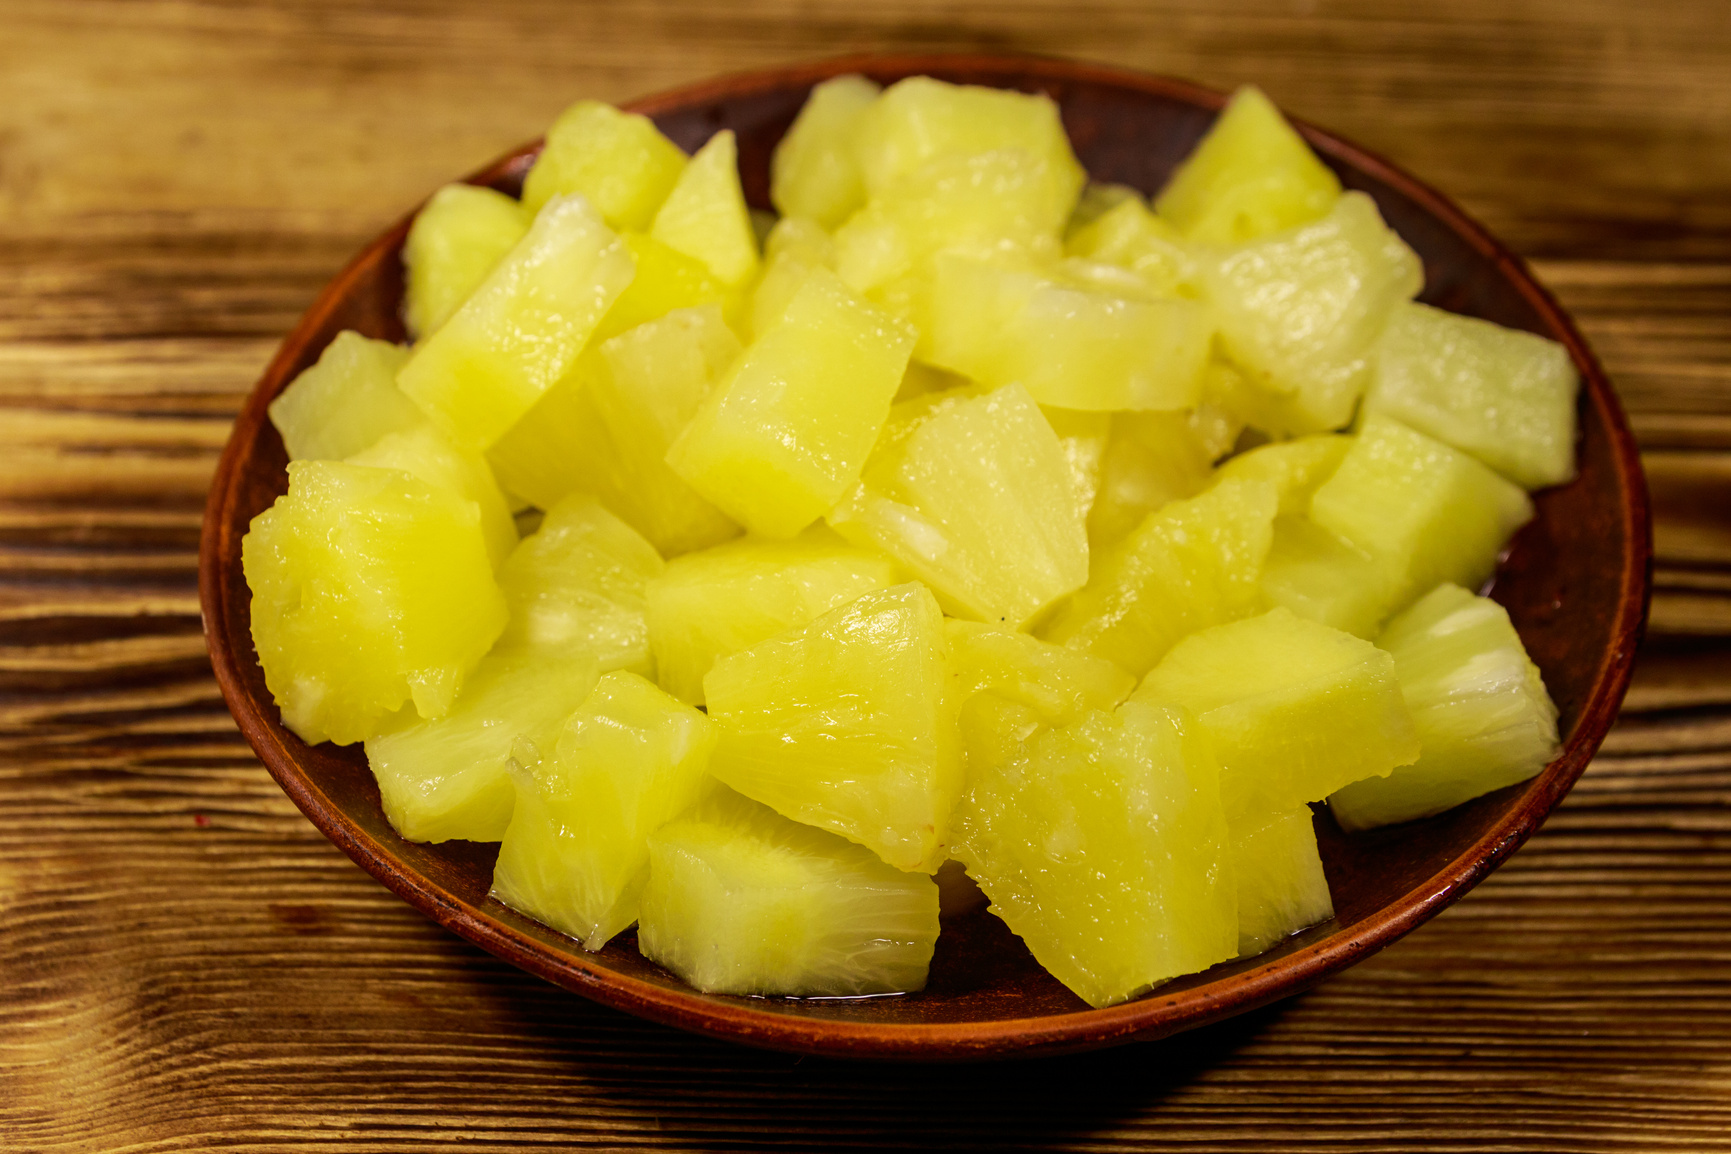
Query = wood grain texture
x=185 y=964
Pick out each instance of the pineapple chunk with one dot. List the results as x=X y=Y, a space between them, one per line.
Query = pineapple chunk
x=974 y=496
x=346 y=401
x=576 y=854
x=1106 y=850
x=1321 y=578
x=721 y=600
x=666 y=280
x=459 y=236
x=618 y=160
x=425 y=453
x=559 y=446
x=1131 y=237
x=705 y=216
x=842 y=724
x=1423 y=511
x=1082 y=436
x=446 y=779
x=1069 y=341
x=920 y=119
x=1250 y=176
x=741 y=900
x=794 y=247
x=1477 y=701
x=1281 y=887
x=982 y=203
x=1300 y=311
x=1057 y=683
x=1193 y=564
x=578 y=584
x=369 y=588
x=1151 y=458
x=521 y=331
x=783 y=437
x=1505 y=396
x=813 y=173
x=1278 y=696
x=1296 y=469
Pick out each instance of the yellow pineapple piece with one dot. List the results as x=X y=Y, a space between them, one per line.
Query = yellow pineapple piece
x=973 y=495
x=1300 y=311
x=1424 y=512
x=1296 y=468
x=618 y=160
x=1321 y=578
x=1276 y=694
x=427 y=454
x=1105 y=849
x=1130 y=236
x=559 y=446
x=813 y=173
x=794 y=247
x=1505 y=396
x=920 y=119
x=576 y=854
x=705 y=216
x=346 y=401
x=459 y=236
x=522 y=330
x=721 y=600
x=1082 y=436
x=666 y=280
x=1070 y=342
x=741 y=900
x=448 y=779
x=1059 y=684
x=369 y=588
x=1192 y=564
x=1150 y=459
x=1278 y=872
x=1250 y=176
x=783 y=437
x=1478 y=704
x=842 y=724
x=578 y=584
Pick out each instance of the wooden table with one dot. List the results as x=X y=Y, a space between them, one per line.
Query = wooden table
x=186 y=964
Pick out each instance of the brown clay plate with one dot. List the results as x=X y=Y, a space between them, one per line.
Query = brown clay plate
x=1575 y=582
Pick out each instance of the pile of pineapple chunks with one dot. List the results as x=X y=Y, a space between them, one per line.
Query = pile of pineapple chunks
x=966 y=524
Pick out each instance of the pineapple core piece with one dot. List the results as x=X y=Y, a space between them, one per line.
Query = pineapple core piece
x=619 y=160
x=721 y=600
x=1295 y=709
x=784 y=435
x=1193 y=564
x=1424 y=512
x=447 y=779
x=974 y=496
x=843 y=724
x=1505 y=396
x=522 y=329
x=741 y=900
x=1106 y=850
x=1072 y=341
x=576 y=854
x=369 y=588
x=919 y=119
x=459 y=236
x=813 y=173
x=577 y=584
x=1281 y=887
x=705 y=216
x=1300 y=311
x=425 y=453
x=1478 y=704
x=346 y=401
x=1250 y=176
